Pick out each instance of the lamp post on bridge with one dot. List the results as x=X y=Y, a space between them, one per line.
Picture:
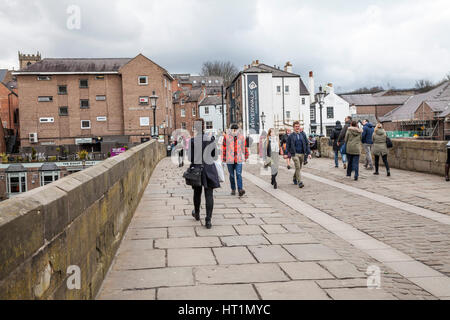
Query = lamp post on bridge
x=153 y=100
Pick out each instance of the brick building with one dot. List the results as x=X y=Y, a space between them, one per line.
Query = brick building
x=91 y=104
x=2 y=138
x=186 y=107
x=376 y=105
x=427 y=114
x=9 y=114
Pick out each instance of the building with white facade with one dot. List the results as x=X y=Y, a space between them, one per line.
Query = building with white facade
x=210 y=109
x=334 y=108
x=261 y=92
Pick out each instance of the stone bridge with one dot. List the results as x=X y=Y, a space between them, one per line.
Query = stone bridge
x=126 y=225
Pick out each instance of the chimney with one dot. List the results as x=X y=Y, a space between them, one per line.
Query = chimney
x=257 y=62
x=330 y=88
x=288 y=67
x=311 y=87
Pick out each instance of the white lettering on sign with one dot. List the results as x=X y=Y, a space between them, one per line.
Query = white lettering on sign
x=74 y=280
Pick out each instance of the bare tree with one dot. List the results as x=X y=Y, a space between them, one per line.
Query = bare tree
x=225 y=69
x=424 y=85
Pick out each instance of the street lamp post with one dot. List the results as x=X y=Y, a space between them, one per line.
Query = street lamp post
x=320 y=98
x=263 y=120
x=153 y=100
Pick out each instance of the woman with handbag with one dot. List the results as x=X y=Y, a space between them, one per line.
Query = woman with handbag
x=271 y=155
x=380 y=148
x=202 y=153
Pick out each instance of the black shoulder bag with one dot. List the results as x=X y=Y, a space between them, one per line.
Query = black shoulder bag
x=389 y=142
x=193 y=175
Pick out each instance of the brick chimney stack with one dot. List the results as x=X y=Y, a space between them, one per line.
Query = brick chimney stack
x=312 y=87
x=288 y=67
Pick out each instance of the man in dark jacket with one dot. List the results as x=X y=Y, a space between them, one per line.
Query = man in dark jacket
x=341 y=138
x=367 y=142
x=298 y=147
x=334 y=137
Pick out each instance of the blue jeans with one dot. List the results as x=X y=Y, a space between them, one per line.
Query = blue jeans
x=344 y=156
x=353 y=165
x=231 y=169
x=336 y=157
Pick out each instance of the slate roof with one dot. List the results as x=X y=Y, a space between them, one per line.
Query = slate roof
x=3 y=73
x=368 y=99
x=264 y=68
x=303 y=90
x=48 y=166
x=212 y=101
x=77 y=65
x=438 y=99
x=186 y=78
x=16 y=168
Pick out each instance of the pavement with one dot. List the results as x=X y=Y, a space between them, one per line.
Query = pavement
x=378 y=238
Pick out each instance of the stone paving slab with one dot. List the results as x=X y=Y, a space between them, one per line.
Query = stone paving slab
x=272 y=253
x=359 y=294
x=293 y=290
x=128 y=295
x=248 y=240
x=193 y=242
x=130 y=261
x=248 y=273
x=305 y=271
x=234 y=255
x=209 y=292
x=190 y=257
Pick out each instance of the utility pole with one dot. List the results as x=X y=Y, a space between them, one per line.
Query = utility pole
x=223 y=113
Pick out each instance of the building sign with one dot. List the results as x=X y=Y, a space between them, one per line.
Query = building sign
x=83 y=141
x=253 y=103
x=49 y=143
x=117 y=151
x=144 y=121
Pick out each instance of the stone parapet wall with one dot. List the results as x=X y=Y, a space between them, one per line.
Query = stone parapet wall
x=407 y=154
x=77 y=221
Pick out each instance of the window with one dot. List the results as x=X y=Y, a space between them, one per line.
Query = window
x=194 y=82
x=313 y=114
x=48 y=177
x=329 y=130
x=100 y=77
x=209 y=125
x=278 y=89
x=84 y=104
x=85 y=124
x=63 y=111
x=286 y=89
x=183 y=113
x=16 y=183
x=206 y=110
x=143 y=100
x=194 y=112
x=183 y=125
x=303 y=101
x=46 y=120
x=288 y=114
x=143 y=80
x=44 y=78
x=181 y=102
x=62 y=90
x=45 y=99
x=216 y=81
x=330 y=112
x=100 y=98
x=165 y=83
x=209 y=81
x=84 y=83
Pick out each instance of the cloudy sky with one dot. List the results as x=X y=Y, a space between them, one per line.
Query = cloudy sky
x=351 y=43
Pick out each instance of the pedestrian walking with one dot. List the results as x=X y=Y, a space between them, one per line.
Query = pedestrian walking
x=380 y=148
x=284 y=151
x=209 y=176
x=353 y=148
x=182 y=145
x=271 y=155
x=298 y=147
x=367 y=142
x=341 y=139
x=335 y=138
x=447 y=165
x=235 y=153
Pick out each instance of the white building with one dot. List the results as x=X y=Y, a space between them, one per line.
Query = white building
x=210 y=109
x=264 y=92
x=334 y=108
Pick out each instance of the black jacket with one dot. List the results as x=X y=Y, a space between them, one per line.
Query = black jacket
x=291 y=144
x=210 y=178
x=341 y=138
x=335 y=136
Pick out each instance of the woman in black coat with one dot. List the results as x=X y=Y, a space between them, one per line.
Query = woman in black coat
x=210 y=178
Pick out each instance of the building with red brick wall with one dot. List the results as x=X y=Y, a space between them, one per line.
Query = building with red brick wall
x=427 y=114
x=2 y=138
x=92 y=104
x=186 y=107
x=9 y=113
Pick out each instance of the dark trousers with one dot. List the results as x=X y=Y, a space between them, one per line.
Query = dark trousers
x=377 y=162
x=353 y=164
x=209 y=198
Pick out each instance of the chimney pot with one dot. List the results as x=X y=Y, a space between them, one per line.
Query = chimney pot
x=257 y=61
x=311 y=74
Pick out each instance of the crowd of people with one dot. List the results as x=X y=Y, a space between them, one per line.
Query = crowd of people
x=232 y=149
